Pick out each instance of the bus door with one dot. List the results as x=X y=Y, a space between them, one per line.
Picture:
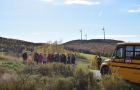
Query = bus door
x=118 y=60
x=119 y=55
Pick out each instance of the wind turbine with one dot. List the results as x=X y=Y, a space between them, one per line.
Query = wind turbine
x=81 y=33
x=104 y=32
x=86 y=36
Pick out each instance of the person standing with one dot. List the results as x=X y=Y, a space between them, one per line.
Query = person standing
x=44 y=59
x=99 y=61
x=73 y=59
x=40 y=58
x=48 y=58
x=36 y=57
x=29 y=59
x=24 y=56
x=63 y=58
x=68 y=59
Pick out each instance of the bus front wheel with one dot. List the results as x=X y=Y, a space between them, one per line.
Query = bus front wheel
x=105 y=70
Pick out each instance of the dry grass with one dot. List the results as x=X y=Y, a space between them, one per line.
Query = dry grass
x=55 y=76
x=114 y=82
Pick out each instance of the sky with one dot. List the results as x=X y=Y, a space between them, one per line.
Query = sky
x=40 y=21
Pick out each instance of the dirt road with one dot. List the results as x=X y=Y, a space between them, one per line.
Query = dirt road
x=96 y=72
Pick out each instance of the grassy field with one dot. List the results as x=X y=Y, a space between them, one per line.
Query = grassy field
x=14 y=75
x=90 y=56
x=82 y=63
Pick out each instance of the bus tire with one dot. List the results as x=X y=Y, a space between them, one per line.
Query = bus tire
x=105 y=70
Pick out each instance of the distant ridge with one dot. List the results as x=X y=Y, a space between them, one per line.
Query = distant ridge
x=15 y=45
x=93 y=46
x=96 y=40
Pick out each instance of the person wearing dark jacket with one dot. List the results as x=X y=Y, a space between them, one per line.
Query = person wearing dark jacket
x=36 y=57
x=63 y=59
x=24 y=56
x=68 y=59
x=73 y=59
x=99 y=61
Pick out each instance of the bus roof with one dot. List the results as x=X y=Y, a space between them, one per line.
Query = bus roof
x=128 y=43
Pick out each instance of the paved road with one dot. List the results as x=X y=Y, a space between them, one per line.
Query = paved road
x=96 y=72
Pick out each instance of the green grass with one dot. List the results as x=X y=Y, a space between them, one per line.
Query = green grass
x=14 y=75
x=82 y=63
x=90 y=56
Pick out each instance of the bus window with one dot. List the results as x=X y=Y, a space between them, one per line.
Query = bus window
x=137 y=48
x=113 y=55
x=129 y=51
x=120 y=53
x=137 y=51
x=129 y=48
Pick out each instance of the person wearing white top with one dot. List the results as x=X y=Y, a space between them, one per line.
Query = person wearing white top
x=44 y=59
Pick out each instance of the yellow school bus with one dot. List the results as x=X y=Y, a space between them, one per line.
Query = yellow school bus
x=125 y=61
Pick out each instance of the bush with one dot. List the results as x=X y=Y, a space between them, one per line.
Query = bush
x=93 y=63
x=114 y=82
x=53 y=76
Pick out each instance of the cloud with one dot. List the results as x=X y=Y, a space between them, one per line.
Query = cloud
x=133 y=11
x=80 y=2
x=100 y=14
x=48 y=0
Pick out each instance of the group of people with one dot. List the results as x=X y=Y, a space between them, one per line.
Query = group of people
x=43 y=59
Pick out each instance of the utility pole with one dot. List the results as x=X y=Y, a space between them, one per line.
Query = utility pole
x=104 y=32
x=86 y=36
x=81 y=33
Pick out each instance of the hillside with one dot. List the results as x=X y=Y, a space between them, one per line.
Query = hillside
x=94 y=46
x=16 y=46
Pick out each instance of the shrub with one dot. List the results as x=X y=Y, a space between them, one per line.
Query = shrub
x=114 y=82
x=93 y=63
x=2 y=71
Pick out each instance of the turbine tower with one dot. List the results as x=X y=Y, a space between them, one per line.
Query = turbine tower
x=86 y=36
x=104 y=32
x=81 y=33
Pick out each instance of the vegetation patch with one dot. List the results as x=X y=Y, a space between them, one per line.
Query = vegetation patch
x=16 y=75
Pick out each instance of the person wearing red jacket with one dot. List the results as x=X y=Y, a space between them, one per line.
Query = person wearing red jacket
x=48 y=58
x=40 y=58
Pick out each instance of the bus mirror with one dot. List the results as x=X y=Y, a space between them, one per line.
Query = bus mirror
x=113 y=58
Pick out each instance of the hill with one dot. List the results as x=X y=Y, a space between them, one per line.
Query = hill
x=94 y=46
x=16 y=46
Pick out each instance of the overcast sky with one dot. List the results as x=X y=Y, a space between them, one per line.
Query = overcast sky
x=50 y=20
